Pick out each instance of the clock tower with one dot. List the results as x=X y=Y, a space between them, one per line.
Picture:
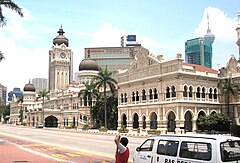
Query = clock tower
x=60 y=63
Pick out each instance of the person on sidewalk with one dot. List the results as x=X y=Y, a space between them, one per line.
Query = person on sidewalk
x=122 y=151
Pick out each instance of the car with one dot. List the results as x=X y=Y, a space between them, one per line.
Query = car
x=188 y=148
x=39 y=125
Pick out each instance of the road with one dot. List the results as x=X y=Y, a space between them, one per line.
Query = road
x=66 y=145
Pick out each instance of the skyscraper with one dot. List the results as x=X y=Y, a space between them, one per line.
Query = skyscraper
x=3 y=94
x=40 y=84
x=199 y=50
x=238 y=33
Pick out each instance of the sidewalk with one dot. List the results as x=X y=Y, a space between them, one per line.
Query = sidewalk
x=11 y=153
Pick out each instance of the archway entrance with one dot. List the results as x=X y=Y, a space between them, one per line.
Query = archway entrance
x=200 y=114
x=135 y=121
x=171 y=122
x=124 y=121
x=188 y=121
x=51 y=121
x=153 y=121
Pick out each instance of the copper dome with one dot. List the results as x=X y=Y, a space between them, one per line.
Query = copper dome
x=60 y=39
x=88 y=64
x=29 y=87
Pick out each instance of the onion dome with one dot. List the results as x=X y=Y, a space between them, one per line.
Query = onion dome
x=88 y=64
x=29 y=87
x=60 y=39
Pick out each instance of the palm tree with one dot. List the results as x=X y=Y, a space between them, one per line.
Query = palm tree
x=20 y=100
x=103 y=80
x=11 y=5
x=43 y=93
x=1 y=56
x=89 y=93
x=228 y=89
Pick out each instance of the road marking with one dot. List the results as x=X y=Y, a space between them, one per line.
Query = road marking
x=58 y=155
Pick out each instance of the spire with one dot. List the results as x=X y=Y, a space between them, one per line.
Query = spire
x=208 y=30
x=209 y=36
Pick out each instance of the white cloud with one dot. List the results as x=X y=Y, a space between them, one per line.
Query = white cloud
x=20 y=63
x=220 y=24
x=107 y=36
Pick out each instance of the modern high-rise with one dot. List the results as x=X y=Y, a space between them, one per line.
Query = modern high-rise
x=40 y=84
x=116 y=58
x=16 y=91
x=199 y=50
x=238 y=33
x=3 y=94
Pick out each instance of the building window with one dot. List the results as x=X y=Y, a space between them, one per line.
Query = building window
x=133 y=96
x=173 y=91
x=143 y=95
x=190 y=91
x=185 y=91
x=203 y=92
x=215 y=93
x=167 y=92
x=150 y=94
x=125 y=97
x=137 y=96
x=198 y=92
x=210 y=93
x=155 y=93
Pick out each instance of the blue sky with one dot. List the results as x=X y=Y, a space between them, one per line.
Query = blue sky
x=161 y=26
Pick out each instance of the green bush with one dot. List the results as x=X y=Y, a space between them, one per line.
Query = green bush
x=85 y=127
x=154 y=132
x=235 y=130
x=123 y=130
x=102 y=129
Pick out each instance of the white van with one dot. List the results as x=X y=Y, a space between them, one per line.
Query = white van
x=185 y=148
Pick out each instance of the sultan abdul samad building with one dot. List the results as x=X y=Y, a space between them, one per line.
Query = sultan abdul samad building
x=153 y=93
x=62 y=107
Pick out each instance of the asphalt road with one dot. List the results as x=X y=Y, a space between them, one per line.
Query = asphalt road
x=66 y=145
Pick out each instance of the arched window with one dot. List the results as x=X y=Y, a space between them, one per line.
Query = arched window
x=215 y=93
x=173 y=91
x=150 y=94
x=167 y=92
x=133 y=96
x=185 y=91
x=143 y=95
x=198 y=92
x=125 y=97
x=122 y=99
x=203 y=92
x=155 y=93
x=210 y=93
x=137 y=96
x=190 y=91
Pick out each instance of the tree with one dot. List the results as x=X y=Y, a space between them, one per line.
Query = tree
x=89 y=93
x=228 y=89
x=103 y=80
x=1 y=56
x=43 y=93
x=20 y=100
x=10 y=5
x=4 y=112
x=217 y=122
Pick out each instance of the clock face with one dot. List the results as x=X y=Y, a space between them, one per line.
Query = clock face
x=62 y=55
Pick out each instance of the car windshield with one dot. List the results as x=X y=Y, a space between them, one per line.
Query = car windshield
x=230 y=150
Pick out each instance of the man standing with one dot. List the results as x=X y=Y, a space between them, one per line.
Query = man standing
x=122 y=151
